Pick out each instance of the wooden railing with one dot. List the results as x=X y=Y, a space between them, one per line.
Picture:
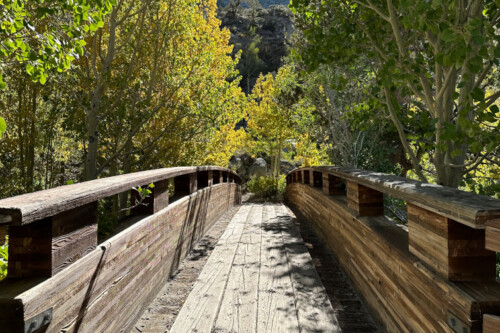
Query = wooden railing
x=435 y=275
x=61 y=280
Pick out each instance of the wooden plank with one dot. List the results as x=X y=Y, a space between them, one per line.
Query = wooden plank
x=107 y=289
x=493 y=235
x=453 y=249
x=276 y=303
x=238 y=310
x=491 y=323
x=314 y=311
x=364 y=200
x=35 y=206
x=405 y=294
x=464 y=207
x=199 y=312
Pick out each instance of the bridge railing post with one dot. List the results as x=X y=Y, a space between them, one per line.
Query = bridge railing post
x=47 y=246
x=332 y=185
x=364 y=200
x=454 y=250
x=156 y=201
x=185 y=184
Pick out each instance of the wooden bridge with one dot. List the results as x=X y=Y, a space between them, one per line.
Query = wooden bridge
x=435 y=275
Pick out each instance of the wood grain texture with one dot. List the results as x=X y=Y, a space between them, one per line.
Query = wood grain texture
x=464 y=207
x=35 y=206
x=260 y=278
x=107 y=289
x=491 y=323
x=493 y=235
x=405 y=293
x=364 y=200
x=238 y=308
x=454 y=250
x=200 y=310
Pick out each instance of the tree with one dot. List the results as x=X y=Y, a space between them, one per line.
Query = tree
x=436 y=59
x=279 y=119
x=46 y=35
x=250 y=64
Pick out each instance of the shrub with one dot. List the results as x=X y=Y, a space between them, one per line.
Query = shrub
x=267 y=187
x=4 y=251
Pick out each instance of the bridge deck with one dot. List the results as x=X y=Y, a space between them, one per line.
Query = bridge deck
x=259 y=278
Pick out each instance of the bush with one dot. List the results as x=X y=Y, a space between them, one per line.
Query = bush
x=267 y=187
x=4 y=255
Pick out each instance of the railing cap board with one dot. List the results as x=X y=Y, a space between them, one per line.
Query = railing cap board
x=30 y=207
x=468 y=208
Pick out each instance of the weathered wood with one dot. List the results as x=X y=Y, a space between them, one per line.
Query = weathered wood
x=238 y=308
x=276 y=312
x=314 y=311
x=35 y=206
x=156 y=201
x=491 y=323
x=260 y=278
x=46 y=247
x=3 y=234
x=185 y=184
x=464 y=207
x=106 y=290
x=364 y=200
x=405 y=294
x=454 y=250
x=199 y=312
x=306 y=176
x=492 y=238
x=332 y=185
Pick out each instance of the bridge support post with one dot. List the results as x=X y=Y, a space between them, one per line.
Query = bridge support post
x=156 y=201
x=452 y=249
x=364 y=200
x=185 y=184
x=306 y=177
x=332 y=185
x=45 y=247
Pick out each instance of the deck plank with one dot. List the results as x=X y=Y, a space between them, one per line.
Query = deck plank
x=200 y=310
x=277 y=312
x=238 y=311
x=260 y=278
x=314 y=310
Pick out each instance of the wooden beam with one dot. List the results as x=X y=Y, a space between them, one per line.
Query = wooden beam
x=403 y=292
x=110 y=287
x=156 y=201
x=364 y=200
x=48 y=246
x=491 y=323
x=464 y=207
x=332 y=185
x=27 y=208
x=493 y=235
x=452 y=249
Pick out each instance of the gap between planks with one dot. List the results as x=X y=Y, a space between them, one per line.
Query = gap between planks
x=259 y=278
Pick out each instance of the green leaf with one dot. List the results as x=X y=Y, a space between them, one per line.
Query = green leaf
x=3 y=126
x=448 y=35
x=477 y=94
x=476 y=147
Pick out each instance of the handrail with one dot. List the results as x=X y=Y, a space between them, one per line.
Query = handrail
x=468 y=208
x=59 y=278
x=438 y=274
x=27 y=208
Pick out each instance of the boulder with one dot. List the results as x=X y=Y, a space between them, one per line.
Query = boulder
x=258 y=168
